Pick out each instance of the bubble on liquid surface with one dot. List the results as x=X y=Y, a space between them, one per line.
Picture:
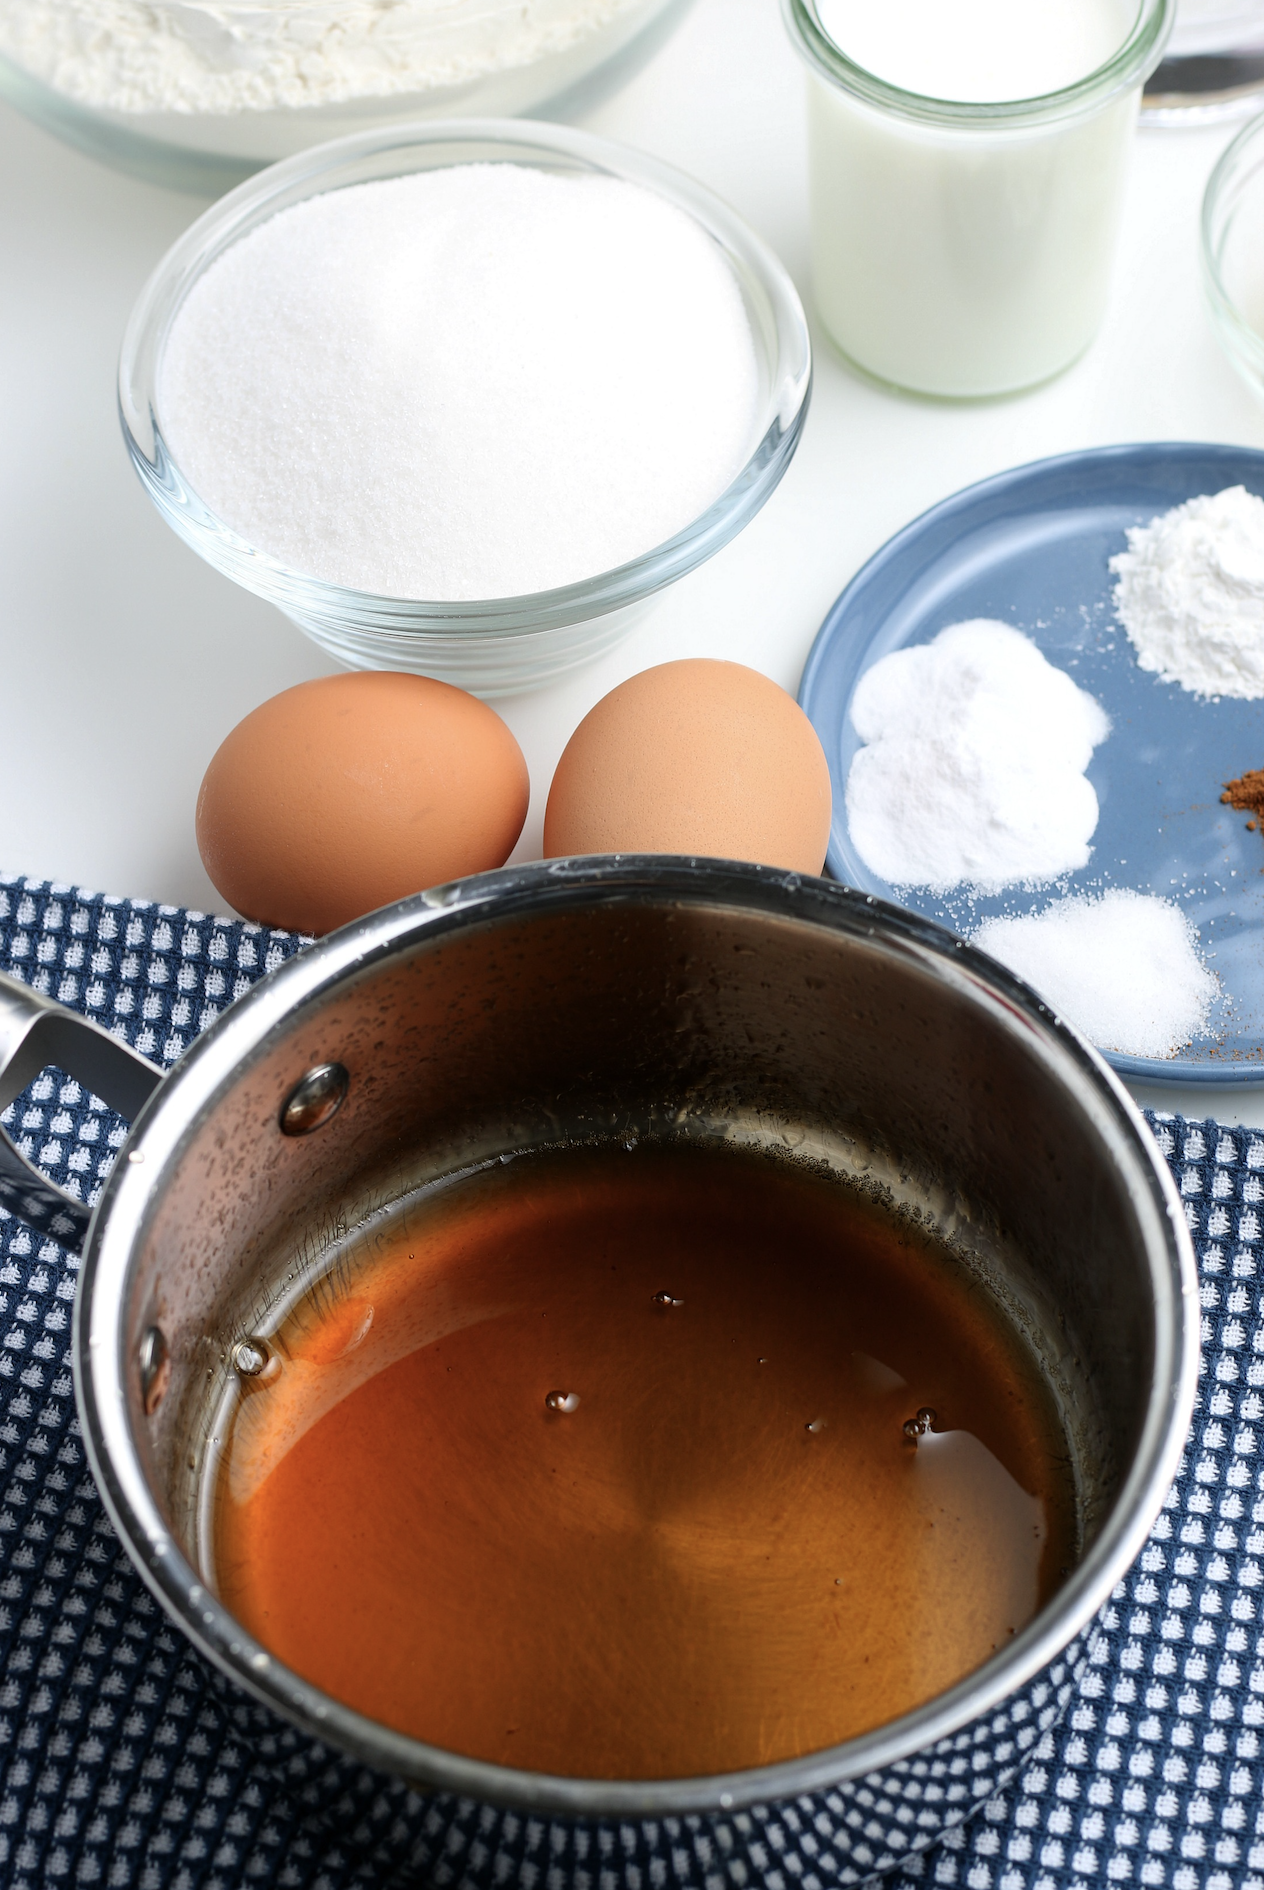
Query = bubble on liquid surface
x=667 y=1299
x=815 y=1424
x=922 y=1424
x=566 y=1401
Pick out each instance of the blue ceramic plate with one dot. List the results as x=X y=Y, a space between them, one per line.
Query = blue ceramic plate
x=1031 y=547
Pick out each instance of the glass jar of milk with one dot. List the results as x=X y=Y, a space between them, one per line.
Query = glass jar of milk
x=967 y=162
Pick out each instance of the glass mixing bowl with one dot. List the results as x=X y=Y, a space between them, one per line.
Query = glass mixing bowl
x=1233 y=252
x=508 y=644
x=199 y=94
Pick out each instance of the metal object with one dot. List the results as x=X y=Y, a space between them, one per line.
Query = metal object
x=35 y=1032
x=1204 y=88
x=155 y=1369
x=663 y=998
x=1212 y=67
x=250 y=1358
x=315 y=1099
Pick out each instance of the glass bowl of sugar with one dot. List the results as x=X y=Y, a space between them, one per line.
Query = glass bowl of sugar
x=198 y=94
x=463 y=398
x=1233 y=252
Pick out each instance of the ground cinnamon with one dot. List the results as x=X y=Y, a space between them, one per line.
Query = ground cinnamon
x=1247 y=795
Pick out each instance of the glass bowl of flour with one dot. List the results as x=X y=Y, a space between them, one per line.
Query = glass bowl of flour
x=464 y=398
x=198 y=94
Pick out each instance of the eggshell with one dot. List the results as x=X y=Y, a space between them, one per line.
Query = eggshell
x=694 y=757
x=340 y=795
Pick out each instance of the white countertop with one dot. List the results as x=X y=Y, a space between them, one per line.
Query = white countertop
x=126 y=660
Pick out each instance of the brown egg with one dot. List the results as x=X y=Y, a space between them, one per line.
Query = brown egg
x=694 y=757
x=340 y=795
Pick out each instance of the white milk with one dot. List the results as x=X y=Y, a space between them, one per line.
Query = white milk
x=978 y=51
x=967 y=258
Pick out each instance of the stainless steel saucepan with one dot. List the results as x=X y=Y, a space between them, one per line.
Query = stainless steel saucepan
x=665 y=997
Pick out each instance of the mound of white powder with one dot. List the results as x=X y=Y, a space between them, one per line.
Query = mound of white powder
x=257 y=55
x=469 y=383
x=1191 y=594
x=973 y=768
x=1123 y=968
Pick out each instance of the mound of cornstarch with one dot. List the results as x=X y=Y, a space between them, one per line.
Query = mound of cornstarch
x=973 y=768
x=476 y=382
x=191 y=56
x=1123 y=968
x=1191 y=594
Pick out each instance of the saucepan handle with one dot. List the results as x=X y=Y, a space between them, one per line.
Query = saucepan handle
x=36 y=1032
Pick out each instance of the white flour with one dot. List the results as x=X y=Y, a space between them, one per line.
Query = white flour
x=1191 y=594
x=1125 y=969
x=255 y=55
x=973 y=772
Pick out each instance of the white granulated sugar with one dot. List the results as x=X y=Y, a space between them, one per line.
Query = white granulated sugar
x=477 y=382
x=973 y=769
x=1191 y=594
x=1123 y=968
x=225 y=56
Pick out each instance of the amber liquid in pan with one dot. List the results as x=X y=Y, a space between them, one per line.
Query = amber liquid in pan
x=596 y=1463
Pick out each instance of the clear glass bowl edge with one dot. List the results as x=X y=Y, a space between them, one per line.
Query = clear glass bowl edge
x=771 y=298
x=1230 y=176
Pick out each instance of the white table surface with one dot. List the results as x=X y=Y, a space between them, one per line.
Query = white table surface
x=126 y=660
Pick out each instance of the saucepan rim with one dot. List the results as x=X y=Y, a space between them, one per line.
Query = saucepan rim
x=247 y=1029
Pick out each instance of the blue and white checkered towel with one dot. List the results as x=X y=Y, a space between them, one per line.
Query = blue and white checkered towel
x=125 y=1762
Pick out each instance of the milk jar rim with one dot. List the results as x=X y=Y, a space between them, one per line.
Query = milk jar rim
x=1127 y=69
